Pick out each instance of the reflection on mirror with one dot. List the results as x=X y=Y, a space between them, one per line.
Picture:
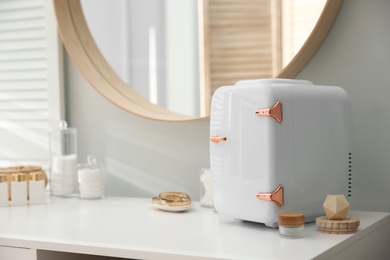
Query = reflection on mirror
x=176 y=53
x=218 y=48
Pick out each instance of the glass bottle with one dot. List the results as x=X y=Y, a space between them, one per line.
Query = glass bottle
x=206 y=196
x=63 y=161
x=91 y=179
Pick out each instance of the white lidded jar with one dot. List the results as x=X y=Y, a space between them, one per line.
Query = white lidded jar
x=19 y=189
x=4 y=190
x=91 y=178
x=291 y=225
x=63 y=161
x=36 y=187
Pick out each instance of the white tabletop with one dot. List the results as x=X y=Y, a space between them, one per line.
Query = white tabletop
x=131 y=228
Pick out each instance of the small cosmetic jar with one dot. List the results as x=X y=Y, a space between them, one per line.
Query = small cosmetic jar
x=19 y=189
x=36 y=187
x=4 y=190
x=291 y=225
x=91 y=177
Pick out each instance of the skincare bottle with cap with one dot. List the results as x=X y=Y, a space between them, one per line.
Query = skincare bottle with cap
x=19 y=189
x=36 y=187
x=4 y=190
x=91 y=179
x=63 y=161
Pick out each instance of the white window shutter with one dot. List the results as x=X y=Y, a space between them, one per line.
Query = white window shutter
x=30 y=81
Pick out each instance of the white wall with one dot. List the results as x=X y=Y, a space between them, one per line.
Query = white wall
x=145 y=157
x=356 y=56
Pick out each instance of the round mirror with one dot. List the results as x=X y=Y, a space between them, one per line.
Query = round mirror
x=169 y=65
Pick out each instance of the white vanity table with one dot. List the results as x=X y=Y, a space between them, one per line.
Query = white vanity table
x=131 y=228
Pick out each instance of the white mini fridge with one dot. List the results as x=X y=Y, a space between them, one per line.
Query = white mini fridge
x=279 y=145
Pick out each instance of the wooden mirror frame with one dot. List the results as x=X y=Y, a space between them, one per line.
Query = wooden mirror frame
x=86 y=56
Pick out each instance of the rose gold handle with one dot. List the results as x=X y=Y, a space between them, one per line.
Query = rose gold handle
x=215 y=138
x=275 y=196
x=275 y=111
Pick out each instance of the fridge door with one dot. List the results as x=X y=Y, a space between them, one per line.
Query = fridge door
x=245 y=149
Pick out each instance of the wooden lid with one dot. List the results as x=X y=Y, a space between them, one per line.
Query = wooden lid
x=344 y=226
x=291 y=219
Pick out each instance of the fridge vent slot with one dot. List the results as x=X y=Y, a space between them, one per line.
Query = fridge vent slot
x=349 y=174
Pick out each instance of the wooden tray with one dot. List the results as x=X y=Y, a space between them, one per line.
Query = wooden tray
x=346 y=226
